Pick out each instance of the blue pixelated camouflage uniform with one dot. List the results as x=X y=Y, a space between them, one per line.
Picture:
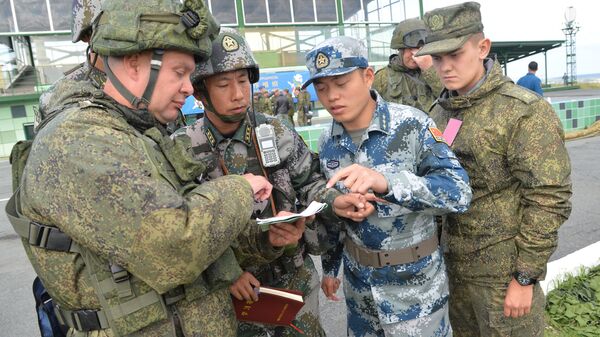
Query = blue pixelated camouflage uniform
x=425 y=179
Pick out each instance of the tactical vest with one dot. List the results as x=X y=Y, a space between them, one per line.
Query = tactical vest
x=293 y=257
x=127 y=303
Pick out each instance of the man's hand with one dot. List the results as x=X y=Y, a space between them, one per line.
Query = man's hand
x=243 y=287
x=353 y=206
x=283 y=233
x=261 y=187
x=330 y=286
x=424 y=62
x=518 y=299
x=359 y=179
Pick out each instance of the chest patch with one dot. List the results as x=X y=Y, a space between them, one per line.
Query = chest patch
x=437 y=134
x=333 y=164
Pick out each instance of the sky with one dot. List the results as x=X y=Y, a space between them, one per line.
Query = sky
x=523 y=20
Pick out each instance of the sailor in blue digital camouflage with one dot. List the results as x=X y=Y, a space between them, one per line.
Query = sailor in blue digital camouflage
x=110 y=211
x=227 y=136
x=78 y=82
x=408 y=79
x=511 y=143
x=395 y=281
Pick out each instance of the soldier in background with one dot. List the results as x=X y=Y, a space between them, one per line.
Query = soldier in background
x=303 y=106
x=112 y=218
x=394 y=273
x=264 y=103
x=228 y=131
x=274 y=94
x=512 y=145
x=88 y=74
x=291 y=109
x=407 y=79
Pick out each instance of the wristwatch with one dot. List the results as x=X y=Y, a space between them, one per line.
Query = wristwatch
x=524 y=279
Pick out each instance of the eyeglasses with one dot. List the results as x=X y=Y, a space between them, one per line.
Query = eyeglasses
x=415 y=38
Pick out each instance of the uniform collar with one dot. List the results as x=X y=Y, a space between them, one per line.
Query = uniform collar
x=243 y=134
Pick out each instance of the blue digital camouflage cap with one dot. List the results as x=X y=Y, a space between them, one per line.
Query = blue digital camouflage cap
x=335 y=56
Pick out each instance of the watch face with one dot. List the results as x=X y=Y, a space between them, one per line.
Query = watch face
x=523 y=279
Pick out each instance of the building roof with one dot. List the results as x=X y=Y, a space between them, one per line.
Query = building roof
x=508 y=51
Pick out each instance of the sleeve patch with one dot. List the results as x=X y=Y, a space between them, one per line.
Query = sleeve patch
x=437 y=134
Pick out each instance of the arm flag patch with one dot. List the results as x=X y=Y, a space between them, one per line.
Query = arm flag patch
x=437 y=135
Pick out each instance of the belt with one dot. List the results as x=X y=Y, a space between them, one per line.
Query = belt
x=382 y=258
x=81 y=320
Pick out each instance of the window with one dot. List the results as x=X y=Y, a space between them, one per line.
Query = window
x=59 y=8
x=303 y=11
x=353 y=10
x=225 y=11
x=255 y=11
x=28 y=129
x=326 y=10
x=279 y=11
x=32 y=15
x=6 y=19
x=18 y=111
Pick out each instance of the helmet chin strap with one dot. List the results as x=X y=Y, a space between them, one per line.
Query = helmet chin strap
x=231 y=119
x=144 y=101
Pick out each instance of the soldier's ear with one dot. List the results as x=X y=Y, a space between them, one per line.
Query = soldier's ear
x=484 y=46
x=369 y=76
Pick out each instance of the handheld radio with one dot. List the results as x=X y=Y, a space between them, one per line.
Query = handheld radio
x=265 y=136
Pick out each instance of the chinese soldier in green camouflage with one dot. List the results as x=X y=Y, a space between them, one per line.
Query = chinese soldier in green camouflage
x=407 y=79
x=264 y=103
x=228 y=133
x=512 y=145
x=303 y=106
x=291 y=110
x=89 y=73
x=112 y=218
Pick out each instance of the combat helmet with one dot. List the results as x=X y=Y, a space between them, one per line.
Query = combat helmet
x=410 y=33
x=230 y=52
x=83 y=13
x=130 y=27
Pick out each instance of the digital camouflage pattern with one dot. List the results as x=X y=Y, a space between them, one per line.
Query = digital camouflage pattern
x=396 y=83
x=75 y=85
x=264 y=105
x=129 y=27
x=303 y=106
x=425 y=180
x=128 y=196
x=83 y=13
x=230 y=51
x=296 y=179
x=450 y=27
x=335 y=56
x=511 y=143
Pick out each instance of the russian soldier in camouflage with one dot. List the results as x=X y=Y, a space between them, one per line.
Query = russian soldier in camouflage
x=395 y=281
x=512 y=145
x=86 y=77
x=407 y=79
x=227 y=133
x=132 y=245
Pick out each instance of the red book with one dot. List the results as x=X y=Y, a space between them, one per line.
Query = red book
x=274 y=306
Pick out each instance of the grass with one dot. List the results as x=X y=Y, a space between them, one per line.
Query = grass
x=573 y=307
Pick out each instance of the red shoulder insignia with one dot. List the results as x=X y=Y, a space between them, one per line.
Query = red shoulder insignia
x=437 y=135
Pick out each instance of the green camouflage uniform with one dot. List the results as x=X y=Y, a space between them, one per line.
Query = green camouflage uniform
x=511 y=143
x=150 y=246
x=303 y=107
x=291 y=110
x=264 y=105
x=297 y=178
x=399 y=84
x=296 y=182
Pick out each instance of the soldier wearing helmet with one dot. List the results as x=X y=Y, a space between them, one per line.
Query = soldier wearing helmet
x=407 y=79
x=85 y=77
x=232 y=131
x=111 y=213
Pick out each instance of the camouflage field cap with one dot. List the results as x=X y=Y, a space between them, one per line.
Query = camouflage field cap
x=83 y=13
x=129 y=27
x=230 y=51
x=409 y=33
x=450 y=27
x=335 y=56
